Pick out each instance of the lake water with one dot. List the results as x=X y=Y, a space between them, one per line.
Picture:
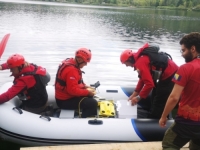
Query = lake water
x=46 y=33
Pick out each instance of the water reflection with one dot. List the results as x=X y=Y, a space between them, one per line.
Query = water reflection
x=46 y=34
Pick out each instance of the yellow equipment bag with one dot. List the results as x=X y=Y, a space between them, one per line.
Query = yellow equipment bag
x=106 y=108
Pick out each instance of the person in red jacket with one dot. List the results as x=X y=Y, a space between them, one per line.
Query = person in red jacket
x=70 y=90
x=186 y=92
x=151 y=78
x=29 y=84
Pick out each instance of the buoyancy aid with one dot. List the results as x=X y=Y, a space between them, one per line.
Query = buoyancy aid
x=35 y=96
x=60 y=83
x=158 y=60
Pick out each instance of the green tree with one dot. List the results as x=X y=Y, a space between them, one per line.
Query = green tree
x=180 y=2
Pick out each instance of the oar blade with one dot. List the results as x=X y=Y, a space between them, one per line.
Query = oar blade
x=3 y=43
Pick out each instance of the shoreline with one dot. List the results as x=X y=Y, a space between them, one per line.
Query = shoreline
x=125 y=5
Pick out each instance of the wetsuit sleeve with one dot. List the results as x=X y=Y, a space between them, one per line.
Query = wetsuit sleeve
x=4 y=66
x=12 y=91
x=73 y=88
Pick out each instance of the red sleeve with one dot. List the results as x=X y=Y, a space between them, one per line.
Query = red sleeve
x=82 y=86
x=181 y=76
x=12 y=91
x=73 y=88
x=139 y=86
x=4 y=66
x=142 y=65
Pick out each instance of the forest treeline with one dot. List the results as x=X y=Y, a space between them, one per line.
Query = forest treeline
x=176 y=4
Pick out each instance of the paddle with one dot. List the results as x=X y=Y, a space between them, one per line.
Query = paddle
x=3 y=43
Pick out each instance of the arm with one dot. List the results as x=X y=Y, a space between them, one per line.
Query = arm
x=73 y=87
x=139 y=86
x=147 y=81
x=87 y=86
x=143 y=69
x=133 y=95
x=137 y=89
x=144 y=85
x=4 y=66
x=12 y=91
x=171 y=103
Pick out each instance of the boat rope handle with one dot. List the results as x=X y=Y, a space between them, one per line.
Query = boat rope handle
x=95 y=122
x=18 y=110
x=45 y=117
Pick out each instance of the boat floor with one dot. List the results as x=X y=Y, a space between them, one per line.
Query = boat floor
x=51 y=112
x=110 y=146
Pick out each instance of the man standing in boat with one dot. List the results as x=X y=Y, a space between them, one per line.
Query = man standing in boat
x=29 y=83
x=155 y=72
x=186 y=91
x=70 y=90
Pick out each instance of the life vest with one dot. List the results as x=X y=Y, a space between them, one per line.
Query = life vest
x=158 y=59
x=61 y=83
x=35 y=96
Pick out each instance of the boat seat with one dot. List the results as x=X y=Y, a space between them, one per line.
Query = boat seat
x=66 y=114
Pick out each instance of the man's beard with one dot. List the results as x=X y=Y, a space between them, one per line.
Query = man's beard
x=188 y=57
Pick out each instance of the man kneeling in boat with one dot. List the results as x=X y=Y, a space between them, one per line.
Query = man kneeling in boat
x=70 y=90
x=30 y=83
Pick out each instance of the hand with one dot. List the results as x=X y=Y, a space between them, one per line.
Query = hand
x=91 y=91
x=87 y=86
x=130 y=97
x=133 y=95
x=134 y=100
x=162 y=122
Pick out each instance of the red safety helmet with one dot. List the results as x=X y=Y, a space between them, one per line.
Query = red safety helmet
x=15 y=60
x=84 y=53
x=125 y=55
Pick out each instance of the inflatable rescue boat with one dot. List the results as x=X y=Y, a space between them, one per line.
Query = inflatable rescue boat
x=117 y=121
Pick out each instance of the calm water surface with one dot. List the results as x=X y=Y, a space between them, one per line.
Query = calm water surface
x=46 y=33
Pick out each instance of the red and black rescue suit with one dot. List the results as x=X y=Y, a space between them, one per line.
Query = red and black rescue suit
x=70 y=89
x=161 y=88
x=28 y=83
